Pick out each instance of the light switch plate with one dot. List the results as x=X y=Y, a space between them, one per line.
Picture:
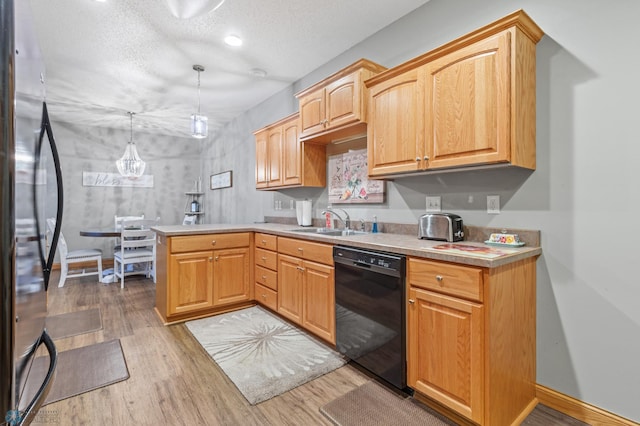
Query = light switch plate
x=493 y=204
x=433 y=204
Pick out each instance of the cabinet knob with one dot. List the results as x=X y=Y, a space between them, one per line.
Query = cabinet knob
x=264 y=258
x=426 y=157
x=264 y=278
x=264 y=242
x=300 y=269
x=300 y=249
x=417 y=158
x=213 y=243
x=412 y=301
x=217 y=257
x=439 y=278
x=210 y=259
x=264 y=296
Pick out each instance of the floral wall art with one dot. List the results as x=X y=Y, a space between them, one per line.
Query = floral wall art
x=348 y=181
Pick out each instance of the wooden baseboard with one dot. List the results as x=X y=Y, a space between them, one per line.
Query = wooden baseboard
x=578 y=409
x=106 y=263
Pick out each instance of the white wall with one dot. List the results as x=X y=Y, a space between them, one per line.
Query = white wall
x=582 y=196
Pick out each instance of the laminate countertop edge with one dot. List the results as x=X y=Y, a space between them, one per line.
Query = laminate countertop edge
x=394 y=243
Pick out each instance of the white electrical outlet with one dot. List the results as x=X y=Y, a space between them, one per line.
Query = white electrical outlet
x=493 y=204
x=433 y=204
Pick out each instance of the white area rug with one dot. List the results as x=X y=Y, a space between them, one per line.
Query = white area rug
x=263 y=355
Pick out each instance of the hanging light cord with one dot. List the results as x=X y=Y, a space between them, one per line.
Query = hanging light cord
x=131 y=126
x=198 y=92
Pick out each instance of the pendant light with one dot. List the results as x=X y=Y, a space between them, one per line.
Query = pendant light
x=198 y=121
x=131 y=165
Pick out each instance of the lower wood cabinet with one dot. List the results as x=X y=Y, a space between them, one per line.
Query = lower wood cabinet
x=306 y=289
x=194 y=281
x=471 y=339
x=266 y=270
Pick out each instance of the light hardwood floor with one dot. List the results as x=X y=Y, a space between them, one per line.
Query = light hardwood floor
x=172 y=379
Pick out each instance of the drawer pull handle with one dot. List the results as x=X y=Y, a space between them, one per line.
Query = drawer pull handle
x=300 y=249
x=439 y=278
x=264 y=277
x=264 y=296
x=264 y=259
x=264 y=241
x=299 y=268
x=411 y=301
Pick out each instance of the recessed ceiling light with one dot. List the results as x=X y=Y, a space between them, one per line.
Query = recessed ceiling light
x=233 y=40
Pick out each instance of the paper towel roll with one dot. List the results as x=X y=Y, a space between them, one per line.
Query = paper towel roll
x=303 y=212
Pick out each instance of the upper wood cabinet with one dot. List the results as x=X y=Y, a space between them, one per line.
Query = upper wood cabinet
x=468 y=103
x=335 y=108
x=282 y=161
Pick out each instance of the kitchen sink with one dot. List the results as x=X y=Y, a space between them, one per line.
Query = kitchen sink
x=330 y=232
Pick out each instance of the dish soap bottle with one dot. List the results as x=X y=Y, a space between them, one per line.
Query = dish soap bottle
x=374 y=226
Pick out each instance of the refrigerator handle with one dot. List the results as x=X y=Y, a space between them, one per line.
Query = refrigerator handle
x=37 y=401
x=45 y=127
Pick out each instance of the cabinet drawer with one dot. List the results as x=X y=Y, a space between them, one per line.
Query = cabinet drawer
x=321 y=253
x=455 y=280
x=209 y=242
x=267 y=259
x=266 y=241
x=267 y=277
x=266 y=297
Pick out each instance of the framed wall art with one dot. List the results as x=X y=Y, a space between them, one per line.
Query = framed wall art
x=221 y=180
x=348 y=181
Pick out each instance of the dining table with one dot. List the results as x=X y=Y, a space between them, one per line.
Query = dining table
x=108 y=275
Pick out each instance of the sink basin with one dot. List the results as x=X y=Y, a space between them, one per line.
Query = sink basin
x=329 y=232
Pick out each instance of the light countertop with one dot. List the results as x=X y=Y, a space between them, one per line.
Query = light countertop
x=464 y=252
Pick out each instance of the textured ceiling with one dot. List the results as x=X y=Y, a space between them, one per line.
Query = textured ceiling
x=103 y=59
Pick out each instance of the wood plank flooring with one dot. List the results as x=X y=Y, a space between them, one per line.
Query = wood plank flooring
x=172 y=379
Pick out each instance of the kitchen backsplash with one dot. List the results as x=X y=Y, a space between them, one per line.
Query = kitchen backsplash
x=472 y=233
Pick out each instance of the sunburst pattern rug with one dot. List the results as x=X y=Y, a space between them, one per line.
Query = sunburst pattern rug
x=263 y=355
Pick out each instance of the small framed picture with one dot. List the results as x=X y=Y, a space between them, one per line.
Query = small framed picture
x=221 y=180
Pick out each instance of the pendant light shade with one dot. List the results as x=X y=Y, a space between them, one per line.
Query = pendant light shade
x=199 y=126
x=131 y=165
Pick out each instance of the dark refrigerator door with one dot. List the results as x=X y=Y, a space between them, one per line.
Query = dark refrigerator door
x=30 y=185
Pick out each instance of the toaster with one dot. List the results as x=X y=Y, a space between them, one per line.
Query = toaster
x=441 y=226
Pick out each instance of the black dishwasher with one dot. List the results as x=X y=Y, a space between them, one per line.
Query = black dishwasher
x=370 y=313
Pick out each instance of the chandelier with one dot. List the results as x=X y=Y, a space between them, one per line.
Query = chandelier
x=198 y=121
x=131 y=165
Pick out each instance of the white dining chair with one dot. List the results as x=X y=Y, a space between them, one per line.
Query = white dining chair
x=137 y=253
x=118 y=227
x=67 y=258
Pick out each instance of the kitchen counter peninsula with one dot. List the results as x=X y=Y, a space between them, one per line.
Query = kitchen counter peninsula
x=474 y=253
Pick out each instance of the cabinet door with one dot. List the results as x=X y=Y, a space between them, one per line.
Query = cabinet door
x=231 y=276
x=445 y=351
x=395 y=133
x=290 y=279
x=468 y=110
x=343 y=104
x=190 y=282
x=319 y=310
x=312 y=113
x=274 y=161
x=291 y=154
x=262 y=159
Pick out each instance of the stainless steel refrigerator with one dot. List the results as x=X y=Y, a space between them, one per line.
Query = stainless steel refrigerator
x=30 y=191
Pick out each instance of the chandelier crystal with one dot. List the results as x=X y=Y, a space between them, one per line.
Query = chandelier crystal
x=199 y=126
x=131 y=165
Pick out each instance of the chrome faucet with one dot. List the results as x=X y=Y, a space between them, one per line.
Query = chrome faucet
x=346 y=222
